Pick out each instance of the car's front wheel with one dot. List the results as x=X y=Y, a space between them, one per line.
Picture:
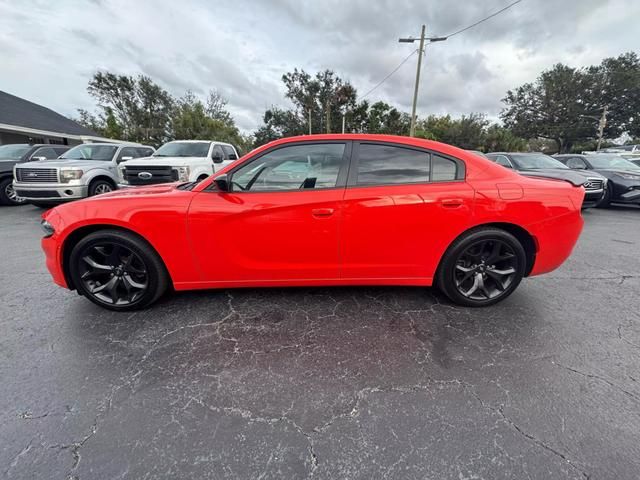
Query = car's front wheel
x=482 y=267
x=117 y=270
x=8 y=194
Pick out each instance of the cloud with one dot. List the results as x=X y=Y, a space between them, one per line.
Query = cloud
x=50 y=51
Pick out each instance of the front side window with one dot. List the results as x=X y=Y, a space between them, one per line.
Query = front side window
x=387 y=164
x=90 y=151
x=576 y=162
x=295 y=167
x=47 y=152
x=229 y=152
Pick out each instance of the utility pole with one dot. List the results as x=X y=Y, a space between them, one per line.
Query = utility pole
x=309 y=121
x=601 y=125
x=412 y=131
x=344 y=114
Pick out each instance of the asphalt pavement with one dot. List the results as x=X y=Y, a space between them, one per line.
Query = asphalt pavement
x=358 y=383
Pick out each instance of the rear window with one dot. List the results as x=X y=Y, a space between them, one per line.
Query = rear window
x=443 y=169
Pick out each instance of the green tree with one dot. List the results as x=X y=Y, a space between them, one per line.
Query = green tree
x=467 y=132
x=140 y=107
x=557 y=106
x=501 y=139
x=191 y=120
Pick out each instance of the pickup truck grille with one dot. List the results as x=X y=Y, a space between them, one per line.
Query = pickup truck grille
x=593 y=184
x=37 y=175
x=149 y=174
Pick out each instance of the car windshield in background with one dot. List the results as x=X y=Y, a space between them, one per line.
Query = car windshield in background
x=533 y=161
x=13 y=152
x=186 y=149
x=615 y=162
x=90 y=152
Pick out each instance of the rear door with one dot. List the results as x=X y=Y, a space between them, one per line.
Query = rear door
x=279 y=222
x=402 y=208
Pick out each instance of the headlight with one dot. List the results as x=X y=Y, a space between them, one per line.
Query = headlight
x=183 y=174
x=68 y=174
x=47 y=228
x=629 y=176
x=123 y=179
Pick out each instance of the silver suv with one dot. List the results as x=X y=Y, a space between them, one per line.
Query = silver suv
x=85 y=170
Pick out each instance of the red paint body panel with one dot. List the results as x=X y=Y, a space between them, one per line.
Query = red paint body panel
x=382 y=235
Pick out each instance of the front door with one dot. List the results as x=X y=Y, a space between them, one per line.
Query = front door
x=279 y=222
x=402 y=208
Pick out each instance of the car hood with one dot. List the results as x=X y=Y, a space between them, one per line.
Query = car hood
x=138 y=191
x=84 y=164
x=576 y=177
x=608 y=172
x=163 y=161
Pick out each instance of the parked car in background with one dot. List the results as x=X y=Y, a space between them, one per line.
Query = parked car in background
x=83 y=171
x=478 y=152
x=178 y=161
x=623 y=175
x=635 y=161
x=541 y=165
x=622 y=148
x=15 y=153
x=321 y=210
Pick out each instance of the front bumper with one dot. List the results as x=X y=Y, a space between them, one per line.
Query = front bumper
x=50 y=192
x=592 y=198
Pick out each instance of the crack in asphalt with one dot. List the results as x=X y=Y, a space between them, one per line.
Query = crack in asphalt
x=602 y=379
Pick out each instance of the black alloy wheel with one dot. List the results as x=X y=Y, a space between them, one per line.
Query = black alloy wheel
x=8 y=194
x=482 y=267
x=485 y=269
x=117 y=270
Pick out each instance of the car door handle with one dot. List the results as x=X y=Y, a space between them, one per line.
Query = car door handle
x=451 y=202
x=322 y=212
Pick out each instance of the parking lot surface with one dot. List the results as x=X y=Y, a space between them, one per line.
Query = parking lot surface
x=326 y=382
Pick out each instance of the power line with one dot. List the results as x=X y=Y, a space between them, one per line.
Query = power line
x=445 y=37
x=483 y=20
x=392 y=72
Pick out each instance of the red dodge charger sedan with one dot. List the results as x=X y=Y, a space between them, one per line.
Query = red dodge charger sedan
x=320 y=210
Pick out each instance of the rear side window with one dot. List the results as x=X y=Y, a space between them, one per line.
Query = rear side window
x=387 y=164
x=443 y=169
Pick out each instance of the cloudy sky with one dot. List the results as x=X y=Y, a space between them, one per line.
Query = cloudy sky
x=49 y=50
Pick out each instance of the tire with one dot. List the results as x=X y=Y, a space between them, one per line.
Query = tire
x=126 y=262
x=606 y=199
x=471 y=261
x=100 y=186
x=8 y=195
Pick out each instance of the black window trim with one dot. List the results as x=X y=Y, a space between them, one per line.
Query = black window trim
x=352 y=182
x=341 y=181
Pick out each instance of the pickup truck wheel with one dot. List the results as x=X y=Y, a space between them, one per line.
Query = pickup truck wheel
x=98 y=187
x=482 y=268
x=8 y=194
x=117 y=270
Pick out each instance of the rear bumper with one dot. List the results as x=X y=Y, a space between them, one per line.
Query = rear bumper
x=50 y=192
x=555 y=239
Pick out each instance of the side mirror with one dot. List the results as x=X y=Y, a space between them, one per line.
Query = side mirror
x=216 y=157
x=233 y=156
x=124 y=159
x=222 y=182
x=38 y=159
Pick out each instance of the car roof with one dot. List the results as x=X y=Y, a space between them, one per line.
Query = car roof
x=37 y=145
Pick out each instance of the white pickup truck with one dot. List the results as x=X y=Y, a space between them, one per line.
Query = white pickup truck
x=178 y=161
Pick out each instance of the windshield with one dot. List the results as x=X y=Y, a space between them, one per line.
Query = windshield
x=615 y=162
x=183 y=149
x=534 y=161
x=13 y=152
x=90 y=152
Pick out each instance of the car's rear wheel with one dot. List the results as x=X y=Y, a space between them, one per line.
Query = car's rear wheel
x=482 y=267
x=8 y=194
x=117 y=270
